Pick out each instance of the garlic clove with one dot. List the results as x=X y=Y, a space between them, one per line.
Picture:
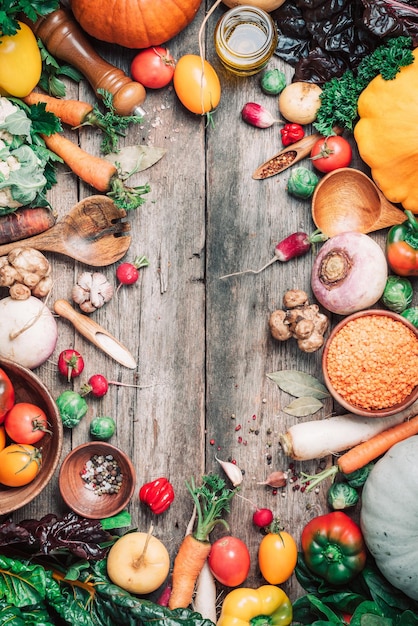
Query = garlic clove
x=232 y=471
x=275 y=479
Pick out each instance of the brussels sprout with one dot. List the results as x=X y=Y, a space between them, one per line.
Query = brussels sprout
x=302 y=182
x=411 y=315
x=273 y=82
x=102 y=428
x=398 y=294
x=357 y=478
x=72 y=408
x=342 y=496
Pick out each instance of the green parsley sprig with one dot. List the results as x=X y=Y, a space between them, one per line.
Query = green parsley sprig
x=10 y=10
x=340 y=95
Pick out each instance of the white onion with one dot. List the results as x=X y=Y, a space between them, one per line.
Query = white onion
x=349 y=274
x=28 y=331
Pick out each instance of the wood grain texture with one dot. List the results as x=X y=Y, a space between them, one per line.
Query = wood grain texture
x=202 y=344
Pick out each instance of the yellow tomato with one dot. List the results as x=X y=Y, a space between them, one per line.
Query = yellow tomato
x=20 y=63
x=19 y=464
x=196 y=84
x=277 y=557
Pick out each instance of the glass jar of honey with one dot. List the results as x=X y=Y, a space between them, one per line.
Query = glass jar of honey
x=245 y=39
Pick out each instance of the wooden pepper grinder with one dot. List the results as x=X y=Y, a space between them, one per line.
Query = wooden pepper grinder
x=63 y=38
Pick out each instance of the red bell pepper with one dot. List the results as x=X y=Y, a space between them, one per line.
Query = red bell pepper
x=291 y=133
x=157 y=495
x=402 y=247
x=333 y=547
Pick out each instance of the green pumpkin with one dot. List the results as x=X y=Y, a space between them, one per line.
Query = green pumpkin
x=389 y=515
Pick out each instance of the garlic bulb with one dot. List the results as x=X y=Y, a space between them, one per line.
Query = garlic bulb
x=91 y=291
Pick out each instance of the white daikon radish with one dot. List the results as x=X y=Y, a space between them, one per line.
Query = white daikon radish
x=319 y=438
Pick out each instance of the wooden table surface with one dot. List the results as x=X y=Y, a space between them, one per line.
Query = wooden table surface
x=202 y=343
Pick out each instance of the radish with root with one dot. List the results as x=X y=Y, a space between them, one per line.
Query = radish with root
x=294 y=245
x=316 y=439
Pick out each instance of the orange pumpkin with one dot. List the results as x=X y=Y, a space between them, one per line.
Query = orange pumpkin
x=134 y=23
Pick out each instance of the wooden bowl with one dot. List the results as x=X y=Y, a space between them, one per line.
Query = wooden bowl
x=340 y=396
x=29 y=388
x=347 y=200
x=85 y=501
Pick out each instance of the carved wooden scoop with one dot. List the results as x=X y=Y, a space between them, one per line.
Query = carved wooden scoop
x=348 y=200
x=92 y=232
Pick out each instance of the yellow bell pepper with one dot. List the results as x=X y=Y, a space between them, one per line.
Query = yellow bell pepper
x=20 y=63
x=266 y=606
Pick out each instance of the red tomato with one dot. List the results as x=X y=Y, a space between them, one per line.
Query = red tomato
x=331 y=153
x=229 y=561
x=153 y=67
x=7 y=395
x=26 y=423
x=277 y=557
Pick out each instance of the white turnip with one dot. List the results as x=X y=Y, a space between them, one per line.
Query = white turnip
x=349 y=273
x=28 y=331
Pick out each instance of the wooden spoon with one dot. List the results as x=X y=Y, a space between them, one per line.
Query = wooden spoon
x=348 y=200
x=92 y=232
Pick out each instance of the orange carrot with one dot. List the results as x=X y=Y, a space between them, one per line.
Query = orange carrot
x=211 y=500
x=24 y=223
x=368 y=451
x=365 y=452
x=72 y=112
x=95 y=171
x=188 y=564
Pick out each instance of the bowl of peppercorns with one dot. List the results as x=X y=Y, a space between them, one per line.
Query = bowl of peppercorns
x=97 y=480
x=370 y=363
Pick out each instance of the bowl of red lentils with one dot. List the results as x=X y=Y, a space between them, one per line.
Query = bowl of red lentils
x=370 y=363
x=97 y=480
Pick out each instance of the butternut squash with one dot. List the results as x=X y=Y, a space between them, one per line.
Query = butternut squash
x=386 y=134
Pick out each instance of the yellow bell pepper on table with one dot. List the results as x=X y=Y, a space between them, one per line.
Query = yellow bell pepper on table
x=20 y=62
x=266 y=606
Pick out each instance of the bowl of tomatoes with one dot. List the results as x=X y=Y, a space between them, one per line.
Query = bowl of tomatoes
x=31 y=436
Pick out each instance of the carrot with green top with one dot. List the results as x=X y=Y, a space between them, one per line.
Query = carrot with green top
x=212 y=499
x=76 y=113
x=365 y=452
x=96 y=172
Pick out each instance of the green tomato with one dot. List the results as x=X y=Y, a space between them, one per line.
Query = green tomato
x=72 y=408
x=102 y=428
x=273 y=82
x=398 y=293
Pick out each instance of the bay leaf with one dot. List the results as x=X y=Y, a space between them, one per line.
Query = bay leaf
x=299 y=384
x=303 y=406
x=132 y=159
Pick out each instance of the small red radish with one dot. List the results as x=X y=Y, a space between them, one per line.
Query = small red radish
x=256 y=115
x=296 y=244
x=70 y=364
x=98 y=386
x=263 y=517
x=128 y=273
